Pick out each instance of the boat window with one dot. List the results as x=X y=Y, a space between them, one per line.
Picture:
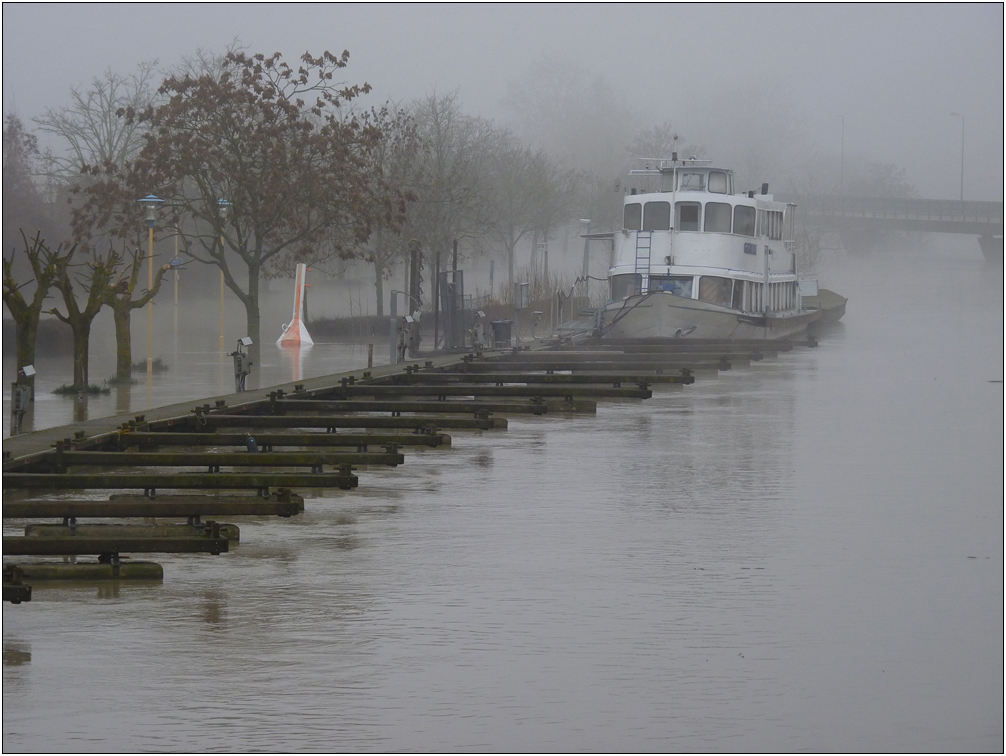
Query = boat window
x=718 y=217
x=690 y=181
x=680 y=285
x=738 y=300
x=715 y=290
x=744 y=220
x=656 y=216
x=633 y=216
x=718 y=182
x=687 y=216
x=625 y=285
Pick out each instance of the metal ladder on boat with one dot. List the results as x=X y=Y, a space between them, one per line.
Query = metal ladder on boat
x=644 y=242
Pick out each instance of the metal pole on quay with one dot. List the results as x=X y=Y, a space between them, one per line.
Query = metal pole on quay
x=151 y=203
x=224 y=206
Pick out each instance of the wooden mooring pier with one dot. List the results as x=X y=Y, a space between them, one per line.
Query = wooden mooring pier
x=166 y=476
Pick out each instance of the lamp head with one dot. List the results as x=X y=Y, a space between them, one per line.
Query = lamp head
x=151 y=202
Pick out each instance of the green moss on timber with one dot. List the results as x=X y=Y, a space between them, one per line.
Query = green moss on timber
x=160 y=530
x=31 y=572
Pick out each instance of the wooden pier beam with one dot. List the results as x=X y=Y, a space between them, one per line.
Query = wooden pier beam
x=264 y=440
x=477 y=390
x=229 y=459
x=87 y=571
x=162 y=506
x=428 y=423
x=153 y=481
x=77 y=545
x=458 y=406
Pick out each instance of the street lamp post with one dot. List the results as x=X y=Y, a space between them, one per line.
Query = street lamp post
x=224 y=206
x=173 y=265
x=586 y=260
x=959 y=115
x=841 y=168
x=151 y=203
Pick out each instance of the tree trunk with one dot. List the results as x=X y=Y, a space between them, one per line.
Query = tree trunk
x=80 y=407
x=123 y=343
x=253 y=318
x=81 y=340
x=379 y=287
x=24 y=339
x=510 y=244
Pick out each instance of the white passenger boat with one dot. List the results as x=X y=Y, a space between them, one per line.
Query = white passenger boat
x=696 y=259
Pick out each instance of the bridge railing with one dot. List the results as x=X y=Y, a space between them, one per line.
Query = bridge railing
x=901 y=209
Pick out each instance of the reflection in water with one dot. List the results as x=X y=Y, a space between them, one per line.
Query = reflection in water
x=80 y=406
x=108 y=590
x=215 y=608
x=15 y=654
x=293 y=360
x=123 y=394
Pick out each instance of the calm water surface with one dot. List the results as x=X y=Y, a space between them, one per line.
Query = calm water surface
x=801 y=554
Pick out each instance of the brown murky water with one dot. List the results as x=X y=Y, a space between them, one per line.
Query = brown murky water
x=803 y=554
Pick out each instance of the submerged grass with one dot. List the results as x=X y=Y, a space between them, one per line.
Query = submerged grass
x=91 y=388
x=160 y=366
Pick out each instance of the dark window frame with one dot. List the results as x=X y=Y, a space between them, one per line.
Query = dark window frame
x=708 y=215
x=625 y=216
x=679 y=206
x=742 y=223
x=660 y=222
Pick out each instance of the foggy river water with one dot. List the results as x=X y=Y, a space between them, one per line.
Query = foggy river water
x=801 y=554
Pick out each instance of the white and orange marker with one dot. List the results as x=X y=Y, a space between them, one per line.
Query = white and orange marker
x=295 y=332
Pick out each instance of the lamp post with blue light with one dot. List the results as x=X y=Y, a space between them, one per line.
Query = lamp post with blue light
x=151 y=203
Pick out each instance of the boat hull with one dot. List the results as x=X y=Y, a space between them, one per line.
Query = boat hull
x=665 y=315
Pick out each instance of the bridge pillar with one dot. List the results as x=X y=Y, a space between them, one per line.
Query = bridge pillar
x=992 y=248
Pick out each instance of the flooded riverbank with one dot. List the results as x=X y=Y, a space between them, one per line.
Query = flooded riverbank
x=801 y=554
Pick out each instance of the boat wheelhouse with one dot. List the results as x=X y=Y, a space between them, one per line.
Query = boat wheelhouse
x=696 y=258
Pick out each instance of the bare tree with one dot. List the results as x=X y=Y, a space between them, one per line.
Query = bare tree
x=276 y=144
x=451 y=187
x=574 y=114
x=529 y=194
x=23 y=203
x=119 y=298
x=97 y=282
x=47 y=266
x=92 y=128
x=579 y=118
x=397 y=157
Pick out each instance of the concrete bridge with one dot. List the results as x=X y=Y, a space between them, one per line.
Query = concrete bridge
x=844 y=213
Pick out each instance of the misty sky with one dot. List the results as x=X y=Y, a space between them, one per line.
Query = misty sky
x=895 y=72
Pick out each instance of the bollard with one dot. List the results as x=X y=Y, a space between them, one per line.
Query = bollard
x=393 y=331
x=242 y=364
x=20 y=398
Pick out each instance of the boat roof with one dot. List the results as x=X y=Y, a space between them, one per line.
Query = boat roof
x=656 y=166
